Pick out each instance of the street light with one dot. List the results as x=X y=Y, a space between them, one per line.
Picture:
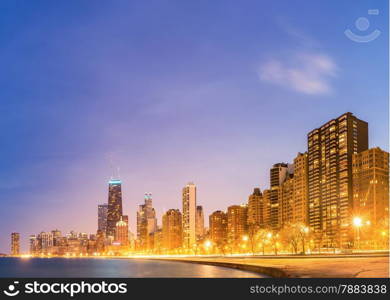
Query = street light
x=304 y=230
x=357 y=222
x=207 y=244
x=245 y=238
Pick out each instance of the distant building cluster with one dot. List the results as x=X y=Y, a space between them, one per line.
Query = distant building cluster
x=333 y=196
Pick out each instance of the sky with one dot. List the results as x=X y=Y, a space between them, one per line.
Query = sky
x=168 y=92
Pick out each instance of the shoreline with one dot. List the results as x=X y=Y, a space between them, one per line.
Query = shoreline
x=369 y=265
x=261 y=270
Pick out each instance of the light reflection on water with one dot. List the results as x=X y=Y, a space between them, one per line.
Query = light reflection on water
x=85 y=267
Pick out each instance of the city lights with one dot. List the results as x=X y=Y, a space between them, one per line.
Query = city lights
x=357 y=222
x=282 y=219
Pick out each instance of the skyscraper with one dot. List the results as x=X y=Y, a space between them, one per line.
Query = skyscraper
x=122 y=231
x=189 y=215
x=300 y=202
x=293 y=204
x=34 y=246
x=45 y=241
x=237 y=223
x=278 y=175
x=266 y=207
x=286 y=201
x=218 y=228
x=371 y=185
x=102 y=217
x=172 y=229
x=15 y=243
x=330 y=150
x=199 y=222
x=146 y=221
x=255 y=209
x=114 y=211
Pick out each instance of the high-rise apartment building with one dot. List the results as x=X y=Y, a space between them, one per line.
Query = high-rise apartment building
x=114 y=211
x=330 y=150
x=46 y=242
x=267 y=207
x=237 y=223
x=146 y=221
x=172 y=229
x=218 y=227
x=34 y=245
x=199 y=218
x=256 y=209
x=15 y=243
x=189 y=215
x=102 y=217
x=370 y=169
x=278 y=174
x=286 y=201
x=293 y=193
x=300 y=193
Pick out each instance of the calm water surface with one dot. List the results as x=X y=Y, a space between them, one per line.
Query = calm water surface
x=89 y=267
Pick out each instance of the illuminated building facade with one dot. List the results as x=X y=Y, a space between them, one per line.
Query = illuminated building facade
x=330 y=150
x=34 y=246
x=370 y=170
x=146 y=221
x=300 y=192
x=218 y=227
x=266 y=207
x=237 y=223
x=114 y=211
x=100 y=241
x=278 y=175
x=102 y=217
x=172 y=229
x=122 y=231
x=286 y=201
x=255 y=209
x=15 y=243
x=189 y=215
x=45 y=241
x=199 y=222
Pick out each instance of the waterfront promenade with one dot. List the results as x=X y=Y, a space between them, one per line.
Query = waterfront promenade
x=344 y=266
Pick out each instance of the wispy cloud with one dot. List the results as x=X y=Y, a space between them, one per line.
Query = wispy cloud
x=308 y=73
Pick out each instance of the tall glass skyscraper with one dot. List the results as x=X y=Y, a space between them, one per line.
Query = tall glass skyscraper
x=114 y=211
x=102 y=217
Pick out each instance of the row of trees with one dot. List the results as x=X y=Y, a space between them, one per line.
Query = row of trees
x=300 y=239
x=292 y=239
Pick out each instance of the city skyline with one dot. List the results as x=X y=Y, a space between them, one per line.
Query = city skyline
x=277 y=211
x=170 y=102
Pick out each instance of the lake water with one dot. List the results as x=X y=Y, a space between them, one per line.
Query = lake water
x=89 y=267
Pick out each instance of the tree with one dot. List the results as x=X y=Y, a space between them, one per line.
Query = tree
x=275 y=242
x=252 y=236
x=262 y=236
x=291 y=235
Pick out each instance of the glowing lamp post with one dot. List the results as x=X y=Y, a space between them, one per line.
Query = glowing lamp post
x=357 y=223
x=207 y=245
x=304 y=232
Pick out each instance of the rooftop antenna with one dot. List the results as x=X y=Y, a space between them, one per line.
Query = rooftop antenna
x=111 y=166
x=119 y=173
